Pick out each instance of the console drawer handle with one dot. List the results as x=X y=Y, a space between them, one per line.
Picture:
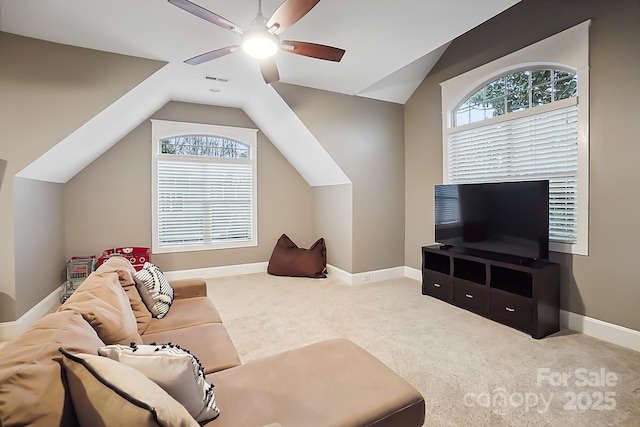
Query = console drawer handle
x=468 y=295
x=437 y=285
x=509 y=309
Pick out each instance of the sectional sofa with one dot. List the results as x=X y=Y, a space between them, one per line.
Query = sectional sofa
x=52 y=375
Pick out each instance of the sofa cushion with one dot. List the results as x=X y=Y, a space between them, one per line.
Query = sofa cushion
x=155 y=289
x=105 y=305
x=109 y=393
x=186 y=312
x=329 y=383
x=188 y=288
x=174 y=369
x=209 y=342
x=125 y=272
x=32 y=385
x=287 y=259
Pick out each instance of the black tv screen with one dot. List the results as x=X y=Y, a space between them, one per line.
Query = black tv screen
x=506 y=217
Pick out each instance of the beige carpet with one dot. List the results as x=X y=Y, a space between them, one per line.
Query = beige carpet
x=470 y=370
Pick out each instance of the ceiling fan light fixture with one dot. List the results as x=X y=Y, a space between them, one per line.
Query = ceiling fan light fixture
x=262 y=39
x=260 y=44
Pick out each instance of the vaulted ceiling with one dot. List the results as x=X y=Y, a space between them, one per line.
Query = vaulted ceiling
x=390 y=48
x=389 y=45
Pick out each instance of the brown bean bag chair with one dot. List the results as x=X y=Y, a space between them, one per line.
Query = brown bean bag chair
x=288 y=259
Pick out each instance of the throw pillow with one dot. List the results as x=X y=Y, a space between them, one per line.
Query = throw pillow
x=155 y=290
x=107 y=393
x=174 y=369
x=32 y=390
x=288 y=259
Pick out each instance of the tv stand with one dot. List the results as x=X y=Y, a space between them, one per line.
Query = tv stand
x=523 y=295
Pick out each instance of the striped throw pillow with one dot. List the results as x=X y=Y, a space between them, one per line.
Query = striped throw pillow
x=155 y=290
x=174 y=369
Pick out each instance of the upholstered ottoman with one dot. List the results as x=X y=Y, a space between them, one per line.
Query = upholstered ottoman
x=329 y=383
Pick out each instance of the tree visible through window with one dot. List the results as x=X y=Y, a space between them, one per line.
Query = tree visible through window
x=523 y=117
x=538 y=145
x=204 y=187
x=205 y=146
x=515 y=92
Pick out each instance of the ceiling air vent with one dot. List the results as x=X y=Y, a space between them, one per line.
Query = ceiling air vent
x=217 y=79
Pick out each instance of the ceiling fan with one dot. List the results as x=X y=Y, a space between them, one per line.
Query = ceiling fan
x=261 y=39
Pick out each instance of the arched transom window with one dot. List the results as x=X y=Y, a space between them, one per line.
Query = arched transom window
x=204 y=146
x=525 y=117
x=515 y=92
x=204 y=187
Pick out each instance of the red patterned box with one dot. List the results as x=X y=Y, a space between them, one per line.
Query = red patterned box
x=137 y=256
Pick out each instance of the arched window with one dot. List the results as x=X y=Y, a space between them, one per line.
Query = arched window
x=204 y=146
x=204 y=187
x=516 y=92
x=520 y=118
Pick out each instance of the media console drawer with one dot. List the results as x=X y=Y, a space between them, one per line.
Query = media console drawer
x=523 y=294
x=511 y=309
x=471 y=296
x=437 y=285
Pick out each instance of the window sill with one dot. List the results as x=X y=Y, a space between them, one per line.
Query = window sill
x=203 y=247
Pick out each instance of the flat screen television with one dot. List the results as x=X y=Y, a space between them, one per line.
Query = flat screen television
x=506 y=217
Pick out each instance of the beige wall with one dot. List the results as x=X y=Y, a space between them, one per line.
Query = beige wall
x=334 y=221
x=603 y=285
x=39 y=249
x=48 y=91
x=109 y=202
x=365 y=137
x=43 y=101
x=3 y=166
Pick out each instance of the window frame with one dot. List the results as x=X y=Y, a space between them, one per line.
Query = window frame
x=164 y=129
x=567 y=50
x=477 y=123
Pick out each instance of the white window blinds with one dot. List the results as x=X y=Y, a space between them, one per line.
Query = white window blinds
x=202 y=202
x=447 y=204
x=537 y=146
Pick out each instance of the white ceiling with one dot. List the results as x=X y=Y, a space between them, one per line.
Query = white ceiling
x=390 y=44
x=390 y=48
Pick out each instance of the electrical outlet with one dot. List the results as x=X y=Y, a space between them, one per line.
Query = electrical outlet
x=366 y=277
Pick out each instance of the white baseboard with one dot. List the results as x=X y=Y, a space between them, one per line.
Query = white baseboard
x=213 y=272
x=10 y=330
x=605 y=331
x=367 y=276
x=413 y=273
x=595 y=328
x=338 y=273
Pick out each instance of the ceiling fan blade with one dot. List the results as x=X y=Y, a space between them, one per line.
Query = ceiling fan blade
x=319 y=51
x=212 y=55
x=289 y=12
x=269 y=70
x=207 y=15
